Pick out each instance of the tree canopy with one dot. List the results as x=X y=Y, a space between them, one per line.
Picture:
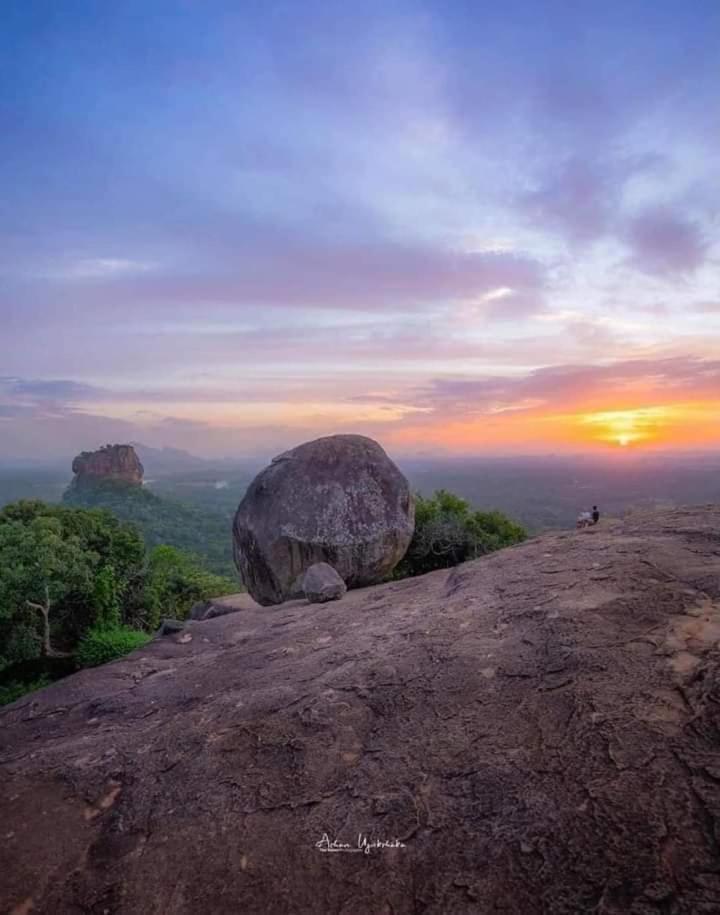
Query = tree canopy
x=67 y=569
x=204 y=532
x=70 y=574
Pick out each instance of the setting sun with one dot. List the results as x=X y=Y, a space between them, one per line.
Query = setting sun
x=626 y=427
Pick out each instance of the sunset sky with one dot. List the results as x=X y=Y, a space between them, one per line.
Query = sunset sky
x=459 y=227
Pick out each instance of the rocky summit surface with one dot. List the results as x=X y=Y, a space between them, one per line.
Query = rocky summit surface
x=338 y=500
x=537 y=731
x=115 y=463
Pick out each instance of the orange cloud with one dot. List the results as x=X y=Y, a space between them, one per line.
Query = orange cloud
x=676 y=426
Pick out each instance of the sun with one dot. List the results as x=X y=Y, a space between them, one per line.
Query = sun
x=628 y=427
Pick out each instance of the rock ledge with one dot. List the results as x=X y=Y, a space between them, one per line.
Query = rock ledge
x=539 y=729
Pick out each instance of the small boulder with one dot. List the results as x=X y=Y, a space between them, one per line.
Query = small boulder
x=322 y=583
x=200 y=610
x=170 y=627
x=207 y=610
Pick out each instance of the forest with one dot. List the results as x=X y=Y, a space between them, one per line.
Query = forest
x=203 y=531
x=79 y=587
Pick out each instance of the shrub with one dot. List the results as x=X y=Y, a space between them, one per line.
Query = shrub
x=448 y=531
x=98 y=646
x=175 y=581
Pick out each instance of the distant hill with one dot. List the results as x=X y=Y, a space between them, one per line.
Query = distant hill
x=168 y=460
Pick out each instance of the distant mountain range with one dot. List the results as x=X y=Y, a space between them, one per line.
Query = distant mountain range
x=163 y=461
x=170 y=460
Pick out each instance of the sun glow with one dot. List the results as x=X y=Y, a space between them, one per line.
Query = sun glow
x=629 y=427
x=530 y=428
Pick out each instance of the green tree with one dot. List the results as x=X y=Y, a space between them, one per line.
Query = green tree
x=62 y=571
x=107 y=593
x=41 y=567
x=79 y=581
x=175 y=581
x=448 y=531
x=204 y=532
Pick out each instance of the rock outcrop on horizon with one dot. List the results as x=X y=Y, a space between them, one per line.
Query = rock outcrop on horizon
x=339 y=500
x=535 y=732
x=114 y=463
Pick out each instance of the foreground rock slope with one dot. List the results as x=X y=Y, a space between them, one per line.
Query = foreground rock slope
x=539 y=729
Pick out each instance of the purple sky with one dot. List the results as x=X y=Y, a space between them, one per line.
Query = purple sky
x=451 y=225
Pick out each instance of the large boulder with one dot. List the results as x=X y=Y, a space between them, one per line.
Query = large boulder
x=116 y=463
x=339 y=500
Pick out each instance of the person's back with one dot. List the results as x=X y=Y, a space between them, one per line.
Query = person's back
x=595 y=514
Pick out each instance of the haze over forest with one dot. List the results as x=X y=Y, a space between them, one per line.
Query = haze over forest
x=541 y=493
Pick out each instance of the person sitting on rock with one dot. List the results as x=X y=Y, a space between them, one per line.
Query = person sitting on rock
x=584 y=519
x=595 y=514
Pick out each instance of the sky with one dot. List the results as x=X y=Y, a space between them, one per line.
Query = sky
x=458 y=227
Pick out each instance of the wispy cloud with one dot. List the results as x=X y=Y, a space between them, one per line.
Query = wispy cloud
x=665 y=242
x=350 y=216
x=580 y=199
x=35 y=389
x=571 y=386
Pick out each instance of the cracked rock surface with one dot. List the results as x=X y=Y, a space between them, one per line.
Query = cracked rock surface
x=537 y=731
